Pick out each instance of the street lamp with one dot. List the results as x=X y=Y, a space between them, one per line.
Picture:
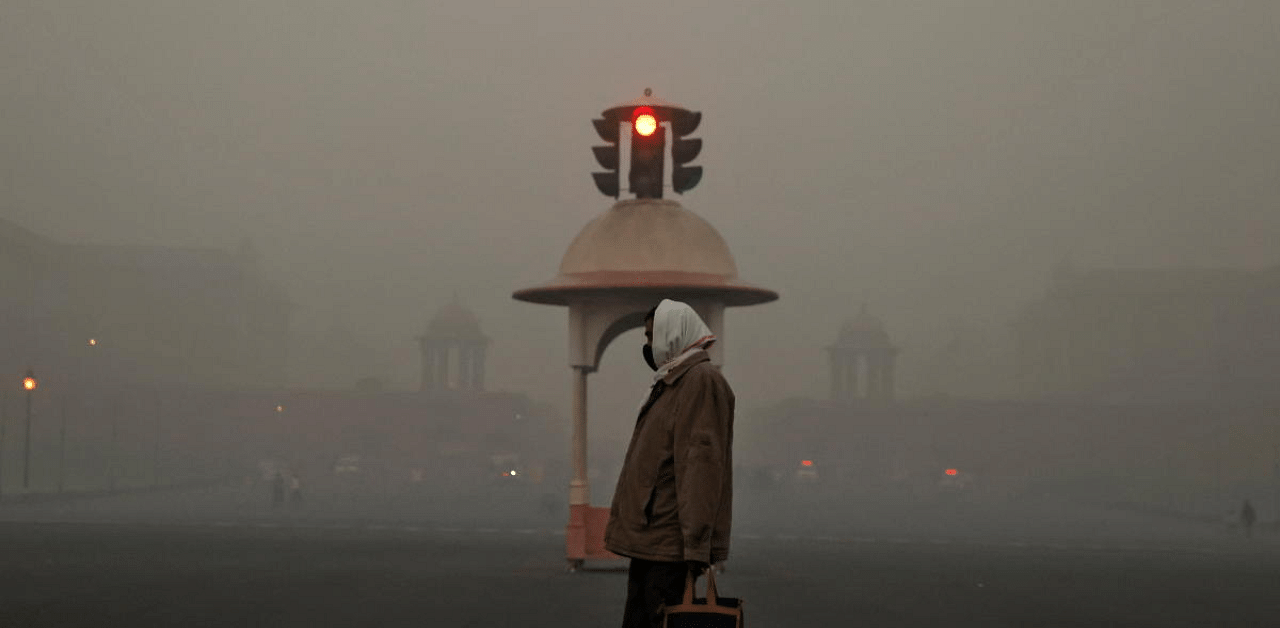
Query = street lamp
x=29 y=384
x=62 y=447
x=4 y=419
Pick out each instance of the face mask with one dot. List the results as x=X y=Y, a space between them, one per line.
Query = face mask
x=648 y=357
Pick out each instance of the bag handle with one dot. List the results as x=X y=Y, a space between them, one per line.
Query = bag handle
x=690 y=581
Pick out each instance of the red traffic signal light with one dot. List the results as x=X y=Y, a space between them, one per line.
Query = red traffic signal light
x=645 y=122
x=648 y=153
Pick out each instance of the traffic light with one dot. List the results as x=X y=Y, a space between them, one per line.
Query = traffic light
x=683 y=151
x=648 y=143
x=649 y=119
x=607 y=156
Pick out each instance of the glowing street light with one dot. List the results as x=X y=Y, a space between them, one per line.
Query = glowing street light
x=93 y=342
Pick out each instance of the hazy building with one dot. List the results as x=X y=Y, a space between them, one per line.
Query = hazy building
x=453 y=350
x=1153 y=335
x=139 y=313
x=862 y=360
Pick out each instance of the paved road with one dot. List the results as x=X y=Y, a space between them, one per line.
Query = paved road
x=143 y=563
x=136 y=575
x=810 y=514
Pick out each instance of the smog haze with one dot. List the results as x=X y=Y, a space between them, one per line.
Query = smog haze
x=934 y=161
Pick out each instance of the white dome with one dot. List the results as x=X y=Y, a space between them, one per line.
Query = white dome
x=649 y=235
x=650 y=246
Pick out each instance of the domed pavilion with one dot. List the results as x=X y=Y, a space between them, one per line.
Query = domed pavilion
x=453 y=350
x=618 y=267
x=862 y=345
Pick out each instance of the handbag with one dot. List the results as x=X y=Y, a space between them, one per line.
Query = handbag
x=712 y=611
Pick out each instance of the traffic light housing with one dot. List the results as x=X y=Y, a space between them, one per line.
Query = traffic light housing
x=648 y=121
x=683 y=151
x=607 y=156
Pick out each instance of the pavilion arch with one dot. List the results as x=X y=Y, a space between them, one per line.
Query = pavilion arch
x=621 y=326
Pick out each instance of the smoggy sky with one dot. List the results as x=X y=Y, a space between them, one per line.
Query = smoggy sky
x=933 y=159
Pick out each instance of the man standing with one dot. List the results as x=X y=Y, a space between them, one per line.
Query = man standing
x=672 y=506
x=1248 y=516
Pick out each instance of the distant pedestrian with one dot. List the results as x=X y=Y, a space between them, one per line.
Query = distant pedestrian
x=295 y=489
x=1247 y=517
x=277 y=489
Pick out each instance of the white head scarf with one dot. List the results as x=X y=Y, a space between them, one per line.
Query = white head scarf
x=678 y=332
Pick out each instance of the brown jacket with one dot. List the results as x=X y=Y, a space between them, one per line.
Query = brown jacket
x=675 y=492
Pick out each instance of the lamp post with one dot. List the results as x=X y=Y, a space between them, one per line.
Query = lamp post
x=155 y=443
x=111 y=453
x=4 y=418
x=103 y=403
x=1275 y=477
x=29 y=384
x=62 y=447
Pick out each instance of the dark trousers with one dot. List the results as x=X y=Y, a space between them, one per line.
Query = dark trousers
x=651 y=584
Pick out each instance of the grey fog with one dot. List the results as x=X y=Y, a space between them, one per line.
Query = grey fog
x=1061 y=216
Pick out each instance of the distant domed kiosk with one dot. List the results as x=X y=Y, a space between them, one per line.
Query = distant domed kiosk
x=453 y=350
x=618 y=267
x=862 y=345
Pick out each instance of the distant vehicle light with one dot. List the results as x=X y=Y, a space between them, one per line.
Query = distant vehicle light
x=806 y=463
x=952 y=472
x=513 y=473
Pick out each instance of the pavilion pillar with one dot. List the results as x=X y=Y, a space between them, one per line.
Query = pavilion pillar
x=873 y=377
x=477 y=378
x=886 y=383
x=442 y=366
x=464 y=366
x=837 y=377
x=579 y=490
x=428 y=379
x=851 y=375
